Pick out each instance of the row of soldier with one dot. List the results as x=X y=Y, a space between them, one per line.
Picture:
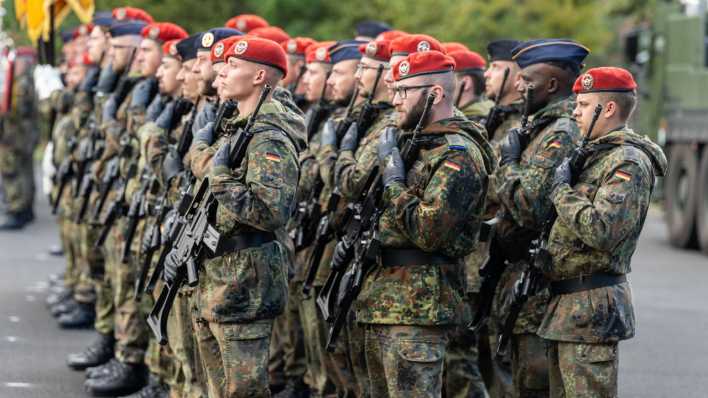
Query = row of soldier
x=246 y=214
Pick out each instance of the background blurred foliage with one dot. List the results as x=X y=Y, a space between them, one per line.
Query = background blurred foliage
x=473 y=22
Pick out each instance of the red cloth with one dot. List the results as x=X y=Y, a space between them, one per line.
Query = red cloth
x=410 y=44
x=260 y=51
x=132 y=13
x=164 y=31
x=379 y=50
x=605 y=79
x=246 y=22
x=423 y=63
x=466 y=60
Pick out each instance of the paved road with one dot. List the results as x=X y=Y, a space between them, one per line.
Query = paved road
x=666 y=359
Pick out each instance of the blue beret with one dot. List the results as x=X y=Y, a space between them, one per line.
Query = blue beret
x=103 y=18
x=500 y=50
x=213 y=36
x=371 y=28
x=538 y=51
x=345 y=50
x=127 y=28
x=187 y=48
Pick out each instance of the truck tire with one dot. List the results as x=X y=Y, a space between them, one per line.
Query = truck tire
x=702 y=202
x=681 y=195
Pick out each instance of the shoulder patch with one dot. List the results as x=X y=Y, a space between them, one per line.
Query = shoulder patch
x=455 y=142
x=565 y=124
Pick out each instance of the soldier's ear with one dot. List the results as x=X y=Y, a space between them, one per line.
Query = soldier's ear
x=610 y=109
x=260 y=77
x=552 y=85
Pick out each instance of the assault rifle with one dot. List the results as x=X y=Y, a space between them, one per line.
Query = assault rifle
x=87 y=182
x=344 y=284
x=64 y=174
x=196 y=233
x=136 y=211
x=153 y=235
x=492 y=121
x=316 y=114
x=109 y=178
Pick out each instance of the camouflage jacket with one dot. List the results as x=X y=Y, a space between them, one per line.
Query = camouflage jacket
x=598 y=225
x=257 y=195
x=478 y=110
x=19 y=126
x=438 y=211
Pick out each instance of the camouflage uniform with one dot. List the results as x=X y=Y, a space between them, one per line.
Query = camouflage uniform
x=598 y=225
x=523 y=190
x=18 y=137
x=408 y=309
x=240 y=293
x=478 y=110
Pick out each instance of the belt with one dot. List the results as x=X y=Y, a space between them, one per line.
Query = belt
x=235 y=243
x=584 y=283
x=402 y=257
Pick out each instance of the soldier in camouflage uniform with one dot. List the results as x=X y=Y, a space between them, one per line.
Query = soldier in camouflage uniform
x=18 y=137
x=470 y=85
x=431 y=218
x=601 y=196
x=528 y=157
x=243 y=287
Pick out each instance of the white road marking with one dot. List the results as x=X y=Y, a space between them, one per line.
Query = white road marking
x=14 y=319
x=11 y=339
x=18 y=384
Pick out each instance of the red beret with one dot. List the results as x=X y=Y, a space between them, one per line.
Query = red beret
x=273 y=33
x=410 y=44
x=297 y=45
x=219 y=49
x=454 y=46
x=80 y=60
x=169 y=49
x=467 y=60
x=132 y=13
x=605 y=79
x=390 y=35
x=163 y=31
x=379 y=50
x=319 y=52
x=246 y=22
x=83 y=30
x=259 y=50
x=423 y=63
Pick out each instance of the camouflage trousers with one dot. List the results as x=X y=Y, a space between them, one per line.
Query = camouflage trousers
x=320 y=369
x=462 y=378
x=495 y=369
x=287 y=346
x=88 y=261
x=67 y=235
x=355 y=335
x=579 y=370
x=234 y=357
x=529 y=366
x=405 y=361
x=105 y=309
x=159 y=359
x=189 y=379
x=17 y=172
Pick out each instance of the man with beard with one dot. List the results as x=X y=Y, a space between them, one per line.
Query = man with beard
x=243 y=286
x=431 y=216
x=469 y=74
x=528 y=157
x=296 y=48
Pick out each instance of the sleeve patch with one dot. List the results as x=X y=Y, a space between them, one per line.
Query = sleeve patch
x=452 y=165
x=623 y=175
x=273 y=157
x=555 y=144
x=457 y=147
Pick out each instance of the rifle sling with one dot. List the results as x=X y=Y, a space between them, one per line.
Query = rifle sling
x=586 y=282
x=406 y=257
x=248 y=240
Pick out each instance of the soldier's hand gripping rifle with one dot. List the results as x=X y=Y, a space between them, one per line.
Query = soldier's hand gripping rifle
x=115 y=210
x=87 y=181
x=316 y=114
x=109 y=178
x=64 y=174
x=493 y=117
x=364 y=241
x=153 y=236
x=136 y=211
x=197 y=233
x=531 y=278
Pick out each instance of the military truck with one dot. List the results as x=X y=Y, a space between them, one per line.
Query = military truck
x=669 y=58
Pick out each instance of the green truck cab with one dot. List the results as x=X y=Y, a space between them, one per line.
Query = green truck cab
x=669 y=59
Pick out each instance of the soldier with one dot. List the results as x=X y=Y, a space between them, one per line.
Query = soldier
x=18 y=139
x=296 y=48
x=528 y=156
x=243 y=287
x=470 y=85
x=601 y=196
x=432 y=206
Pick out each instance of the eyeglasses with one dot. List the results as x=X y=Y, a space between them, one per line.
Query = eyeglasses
x=402 y=91
x=362 y=67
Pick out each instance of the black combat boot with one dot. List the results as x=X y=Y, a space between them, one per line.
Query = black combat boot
x=64 y=307
x=295 y=387
x=98 y=353
x=81 y=317
x=57 y=296
x=97 y=372
x=13 y=222
x=154 y=389
x=123 y=379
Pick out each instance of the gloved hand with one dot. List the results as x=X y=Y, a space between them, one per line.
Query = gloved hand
x=143 y=93
x=562 y=175
x=577 y=160
x=106 y=80
x=329 y=134
x=90 y=80
x=164 y=121
x=206 y=115
x=394 y=170
x=351 y=138
x=171 y=166
x=387 y=142
x=182 y=107
x=169 y=271
x=221 y=158
x=205 y=134
x=342 y=255
x=155 y=108
x=110 y=108
x=512 y=147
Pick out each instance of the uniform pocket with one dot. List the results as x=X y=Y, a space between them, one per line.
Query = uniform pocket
x=247 y=331
x=596 y=353
x=421 y=352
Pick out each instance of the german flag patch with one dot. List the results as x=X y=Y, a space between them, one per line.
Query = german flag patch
x=623 y=175
x=452 y=165
x=273 y=157
x=555 y=144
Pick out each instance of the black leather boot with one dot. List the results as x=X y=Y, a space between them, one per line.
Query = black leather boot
x=97 y=353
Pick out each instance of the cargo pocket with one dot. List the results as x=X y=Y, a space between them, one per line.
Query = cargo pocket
x=419 y=365
x=596 y=353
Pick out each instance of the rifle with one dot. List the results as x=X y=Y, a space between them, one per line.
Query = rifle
x=531 y=278
x=86 y=186
x=185 y=139
x=316 y=115
x=368 y=111
x=343 y=125
x=491 y=123
x=335 y=300
x=136 y=211
x=153 y=235
x=196 y=232
x=115 y=209
x=64 y=174
x=109 y=179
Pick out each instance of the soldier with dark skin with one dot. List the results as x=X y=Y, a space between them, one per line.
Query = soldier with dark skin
x=528 y=158
x=601 y=196
x=432 y=212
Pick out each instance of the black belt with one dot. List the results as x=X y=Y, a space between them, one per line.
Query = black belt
x=401 y=257
x=247 y=240
x=584 y=283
